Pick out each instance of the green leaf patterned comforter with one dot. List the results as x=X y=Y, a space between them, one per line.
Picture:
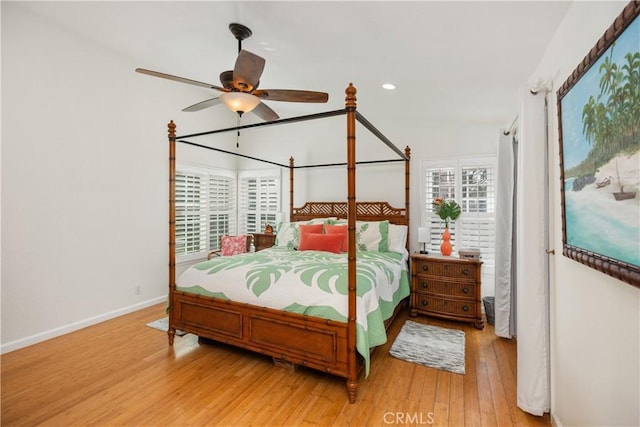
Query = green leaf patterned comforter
x=308 y=282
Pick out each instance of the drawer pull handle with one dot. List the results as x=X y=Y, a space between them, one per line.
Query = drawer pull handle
x=425 y=302
x=465 y=290
x=425 y=268
x=465 y=308
x=465 y=272
x=424 y=285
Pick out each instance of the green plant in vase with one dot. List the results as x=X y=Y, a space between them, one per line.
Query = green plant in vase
x=447 y=210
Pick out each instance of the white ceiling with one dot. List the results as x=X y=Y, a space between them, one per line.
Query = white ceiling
x=451 y=61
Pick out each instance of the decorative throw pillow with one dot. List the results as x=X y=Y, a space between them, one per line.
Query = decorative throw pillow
x=397 y=238
x=372 y=236
x=310 y=228
x=233 y=245
x=320 y=242
x=342 y=231
x=288 y=233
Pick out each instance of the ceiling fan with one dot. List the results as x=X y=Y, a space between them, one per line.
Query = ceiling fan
x=240 y=85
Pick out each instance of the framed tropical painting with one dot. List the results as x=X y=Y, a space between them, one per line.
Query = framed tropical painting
x=599 y=128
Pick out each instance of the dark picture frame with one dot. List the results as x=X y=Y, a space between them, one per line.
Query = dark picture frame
x=599 y=131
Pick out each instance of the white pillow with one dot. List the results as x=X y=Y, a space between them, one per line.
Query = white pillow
x=397 y=238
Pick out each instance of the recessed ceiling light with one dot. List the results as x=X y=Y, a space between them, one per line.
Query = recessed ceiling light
x=389 y=86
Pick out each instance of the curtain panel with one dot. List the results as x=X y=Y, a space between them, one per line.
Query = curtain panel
x=532 y=260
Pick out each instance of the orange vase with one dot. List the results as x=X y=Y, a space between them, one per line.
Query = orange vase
x=445 y=247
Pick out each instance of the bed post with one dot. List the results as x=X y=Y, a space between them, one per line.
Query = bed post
x=407 y=182
x=352 y=378
x=291 y=188
x=172 y=226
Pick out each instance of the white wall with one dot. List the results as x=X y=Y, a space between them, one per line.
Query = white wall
x=595 y=320
x=84 y=181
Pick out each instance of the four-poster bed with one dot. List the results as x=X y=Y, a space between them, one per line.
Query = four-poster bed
x=321 y=343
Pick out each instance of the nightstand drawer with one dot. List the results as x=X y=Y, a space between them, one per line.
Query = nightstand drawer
x=459 y=308
x=459 y=289
x=451 y=270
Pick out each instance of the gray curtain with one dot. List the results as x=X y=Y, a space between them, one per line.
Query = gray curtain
x=506 y=222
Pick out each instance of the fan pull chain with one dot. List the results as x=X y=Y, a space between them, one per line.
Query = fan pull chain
x=238 y=125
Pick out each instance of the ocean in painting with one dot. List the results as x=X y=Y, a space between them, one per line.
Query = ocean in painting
x=596 y=222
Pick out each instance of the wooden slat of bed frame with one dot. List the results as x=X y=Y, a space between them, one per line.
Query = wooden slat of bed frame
x=304 y=340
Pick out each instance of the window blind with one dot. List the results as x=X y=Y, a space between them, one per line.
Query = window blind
x=259 y=200
x=471 y=182
x=205 y=210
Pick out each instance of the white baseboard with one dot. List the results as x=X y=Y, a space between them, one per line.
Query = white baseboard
x=43 y=336
x=554 y=421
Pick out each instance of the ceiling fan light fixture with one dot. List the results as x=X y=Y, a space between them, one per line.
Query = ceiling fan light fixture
x=240 y=101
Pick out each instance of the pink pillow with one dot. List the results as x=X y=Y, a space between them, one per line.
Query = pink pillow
x=320 y=242
x=233 y=245
x=339 y=230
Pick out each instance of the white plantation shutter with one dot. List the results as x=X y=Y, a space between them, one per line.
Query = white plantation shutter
x=259 y=200
x=478 y=188
x=205 y=210
x=471 y=182
x=222 y=211
x=479 y=233
x=439 y=182
x=478 y=185
x=190 y=213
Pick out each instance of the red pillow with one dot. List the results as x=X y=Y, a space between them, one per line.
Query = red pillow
x=342 y=231
x=320 y=242
x=310 y=228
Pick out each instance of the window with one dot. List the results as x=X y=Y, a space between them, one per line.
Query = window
x=471 y=182
x=259 y=200
x=205 y=210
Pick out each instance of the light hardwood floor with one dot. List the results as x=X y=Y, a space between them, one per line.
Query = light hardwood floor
x=121 y=372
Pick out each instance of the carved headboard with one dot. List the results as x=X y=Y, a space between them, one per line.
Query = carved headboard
x=365 y=211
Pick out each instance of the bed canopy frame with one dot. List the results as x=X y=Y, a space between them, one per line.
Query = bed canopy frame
x=322 y=344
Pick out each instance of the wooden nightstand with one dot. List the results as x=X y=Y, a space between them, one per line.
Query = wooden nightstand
x=263 y=241
x=446 y=287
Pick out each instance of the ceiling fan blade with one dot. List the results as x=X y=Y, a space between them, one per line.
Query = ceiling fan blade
x=180 y=79
x=204 y=104
x=247 y=71
x=265 y=113
x=291 y=95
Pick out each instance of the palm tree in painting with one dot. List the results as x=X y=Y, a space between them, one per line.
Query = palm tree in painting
x=631 y=90
x=611 y=121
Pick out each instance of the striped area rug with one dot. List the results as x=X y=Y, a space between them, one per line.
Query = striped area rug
x=431 y=346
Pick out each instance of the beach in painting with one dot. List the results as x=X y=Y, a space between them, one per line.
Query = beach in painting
x=597 y=222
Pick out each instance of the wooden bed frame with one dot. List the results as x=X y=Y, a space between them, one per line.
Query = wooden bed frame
x=321 y=344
